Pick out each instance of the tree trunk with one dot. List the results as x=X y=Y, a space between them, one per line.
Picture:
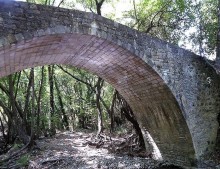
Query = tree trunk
x=99 y=100
x=33 y=114
x=39 y=102
x=99 y=6
x=22 y=133
x=129 y=115
x=218 y=66
x=52 y=105
x=218 y=38
x=64 y=118
x=218 y=134
x=2 y=128
x=18 y=108
x=11 y=131
x=19 y=76
x=99 y=85
x=112 y=111
x=26 y=112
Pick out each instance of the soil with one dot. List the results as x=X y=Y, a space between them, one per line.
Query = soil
x=73 y=150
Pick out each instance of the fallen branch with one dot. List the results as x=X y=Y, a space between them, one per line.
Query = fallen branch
x=52 y=160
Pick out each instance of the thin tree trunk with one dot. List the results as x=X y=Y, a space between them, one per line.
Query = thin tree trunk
x=99 y=6
x=18 y=108
x=11 y=133
x=60 y=3
x=89 y=86
x=52 y=105
x=39 y=102
x=218 y=65
x=99 y=85
x=22 y=133
x=128 y=113
x=33 y=114
x=19 y=76
x=2 y=128
x=65 y=118
x=200 y=30
x=218 y=37
x=112 y=111
x=26 y=112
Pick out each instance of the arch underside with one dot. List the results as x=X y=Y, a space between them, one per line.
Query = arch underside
x=155 y=107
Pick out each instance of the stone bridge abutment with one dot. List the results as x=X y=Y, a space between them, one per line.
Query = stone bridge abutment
x=173 y=92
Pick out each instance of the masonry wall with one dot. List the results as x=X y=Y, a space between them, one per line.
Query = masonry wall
x=173 y=92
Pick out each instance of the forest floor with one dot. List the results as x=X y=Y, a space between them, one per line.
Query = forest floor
x=82 y=150
x=75 y=150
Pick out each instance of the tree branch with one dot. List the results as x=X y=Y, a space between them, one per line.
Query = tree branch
x=60 y=3
x=89 y=85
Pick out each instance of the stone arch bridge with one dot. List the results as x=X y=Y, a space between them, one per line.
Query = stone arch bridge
x=174 y=93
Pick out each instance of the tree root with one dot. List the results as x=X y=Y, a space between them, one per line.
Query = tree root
x=126 y=146
x=7 y=161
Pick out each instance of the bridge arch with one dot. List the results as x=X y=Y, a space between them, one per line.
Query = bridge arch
x=173 y=92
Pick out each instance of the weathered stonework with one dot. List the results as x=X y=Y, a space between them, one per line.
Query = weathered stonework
x=173 y=92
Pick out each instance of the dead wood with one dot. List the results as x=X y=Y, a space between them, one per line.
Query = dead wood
x=52 y=160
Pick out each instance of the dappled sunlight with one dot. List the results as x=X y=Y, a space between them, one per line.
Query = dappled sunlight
x=70 y=150
x=156 y=152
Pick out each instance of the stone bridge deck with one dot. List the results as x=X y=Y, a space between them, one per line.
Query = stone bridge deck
x=173 y=92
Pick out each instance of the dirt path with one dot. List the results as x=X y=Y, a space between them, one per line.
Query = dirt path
x=69 y=150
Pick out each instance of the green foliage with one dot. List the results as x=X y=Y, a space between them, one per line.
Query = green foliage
x=209 y=23
x=178 y=21
x=171 y=20
x=44 y=2
x=16 y=146
x=23 y=160
x=78 y=98
x=160 y=18
x=44 y=120
x=202 y=32
x=56 y=119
